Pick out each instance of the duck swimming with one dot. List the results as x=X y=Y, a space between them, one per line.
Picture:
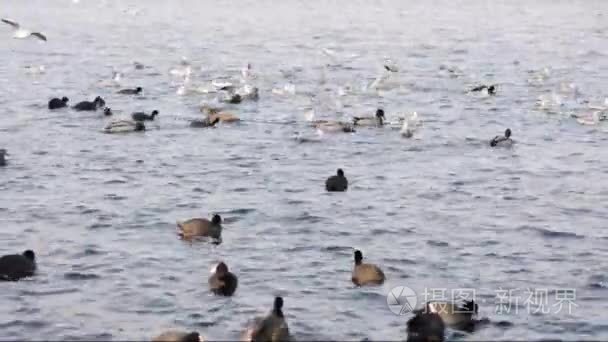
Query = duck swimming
x=502 y=140
x=201 y=227
x=377 y=120
x=223 y=282
x=214 y=113
x=90 y=106
x=130 y=91
x=273 y=327
x=425 y=327
x=14 y=267
x=124 y=126
x=337 y=182
x=178 y=336
x=56 y=103
x=459 y=316
x=366 y=274
x=224 y=117
x=141 y=116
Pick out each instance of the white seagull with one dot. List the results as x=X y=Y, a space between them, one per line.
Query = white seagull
x=23 y=33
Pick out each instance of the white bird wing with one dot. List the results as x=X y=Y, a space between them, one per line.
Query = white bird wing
x=14 y=24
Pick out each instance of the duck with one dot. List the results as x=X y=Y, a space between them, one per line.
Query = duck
x=456 y=315
x=56 y=103
x=178 y=336
x=224 y=117
x=201 y=227
x=2 y=159
x=124 y=126
x=425 y=327
x=333 y=126
x=215 y=113
x=90 y=105
x=490 y=89
x=366 y=274
x=222 y=281
x=273 y=327
x=134 y=91
x=205 y=122
x=141 y=116
x=502 y=140
x=377 y=120
x=337 y=182
x=14 y=267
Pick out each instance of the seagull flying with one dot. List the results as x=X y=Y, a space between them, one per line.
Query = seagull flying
x=22 y=33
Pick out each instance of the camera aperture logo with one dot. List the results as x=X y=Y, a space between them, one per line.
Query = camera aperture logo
x=401 y=300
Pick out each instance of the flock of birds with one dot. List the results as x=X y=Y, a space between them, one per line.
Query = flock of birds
x=427 y=324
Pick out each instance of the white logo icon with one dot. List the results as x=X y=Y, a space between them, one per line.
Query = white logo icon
x=401 y=300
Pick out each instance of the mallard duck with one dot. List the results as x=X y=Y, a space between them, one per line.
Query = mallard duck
x=222 y=281
x=366 y=274
x=377 y=120
x=273 y=327
x=201 y=227
x=224 y=117
x=17 y=266
x=502 y=140
x=124 y=126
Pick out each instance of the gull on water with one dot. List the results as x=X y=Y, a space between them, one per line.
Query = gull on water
x=34 y=69
x=20 y=33
x=409 y=125
x=246 y=73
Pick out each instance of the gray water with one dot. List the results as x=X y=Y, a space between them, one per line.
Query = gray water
x=440 y=211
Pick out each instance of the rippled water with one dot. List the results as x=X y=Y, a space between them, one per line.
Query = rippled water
x=442 y=210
